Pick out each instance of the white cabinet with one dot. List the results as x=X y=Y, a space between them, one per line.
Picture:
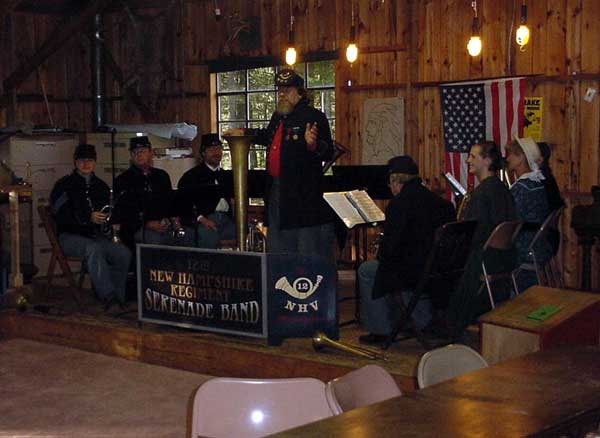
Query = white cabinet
x=40 y=160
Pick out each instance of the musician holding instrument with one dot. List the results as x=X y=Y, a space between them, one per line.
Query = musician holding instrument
x=489 y=204
x=299 y=141
x=203 y=209
x=145 y=206
x=77 y=201
x=411 y=218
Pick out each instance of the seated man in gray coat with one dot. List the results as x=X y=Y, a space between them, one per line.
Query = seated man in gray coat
x=411 y=218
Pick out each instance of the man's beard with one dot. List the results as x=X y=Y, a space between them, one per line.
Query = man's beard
x=284 y=107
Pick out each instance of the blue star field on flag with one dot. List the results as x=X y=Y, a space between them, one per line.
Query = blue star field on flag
x=463 y=116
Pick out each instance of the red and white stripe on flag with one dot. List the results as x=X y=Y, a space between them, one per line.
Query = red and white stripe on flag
x=504 y=100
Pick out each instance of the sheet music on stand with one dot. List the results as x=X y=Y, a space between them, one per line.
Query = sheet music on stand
x=456 y=187
x=354 y=207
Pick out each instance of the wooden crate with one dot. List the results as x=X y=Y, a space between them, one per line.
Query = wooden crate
x=506 y=332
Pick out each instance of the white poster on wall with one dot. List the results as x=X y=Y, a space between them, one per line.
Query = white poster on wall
x=382 y=130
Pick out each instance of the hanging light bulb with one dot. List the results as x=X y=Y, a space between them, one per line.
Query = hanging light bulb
x=352 y=49
x=474 y=45
x=290 y=53
x=522 y=36
x=351 y=53
x=290 y=56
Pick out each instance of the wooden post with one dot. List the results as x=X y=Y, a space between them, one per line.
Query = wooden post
x=16 y=277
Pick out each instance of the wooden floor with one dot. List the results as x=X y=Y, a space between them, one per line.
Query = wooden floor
x=53 y=317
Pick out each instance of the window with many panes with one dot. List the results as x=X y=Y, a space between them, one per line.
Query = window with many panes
x=248 y=98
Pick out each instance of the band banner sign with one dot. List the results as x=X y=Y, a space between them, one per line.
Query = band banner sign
x=302 y=297
x=219 y=291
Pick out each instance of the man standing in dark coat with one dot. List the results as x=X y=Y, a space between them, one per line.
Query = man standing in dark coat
x=204 y=211
x=144 y=199
x=77 y=201
x=299 y=141
x=411 y=218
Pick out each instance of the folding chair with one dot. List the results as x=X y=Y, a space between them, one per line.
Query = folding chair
x=59 y=256
x=446 y=363
x=362 y=387
x=444 y=267
x=545 y=270
x=502 y=238
x=229 y=407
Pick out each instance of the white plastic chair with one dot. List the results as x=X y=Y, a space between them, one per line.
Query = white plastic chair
x=229 y=407
x=446 y=363
x=364 y=386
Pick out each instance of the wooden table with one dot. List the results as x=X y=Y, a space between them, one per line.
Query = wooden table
x=544 y=394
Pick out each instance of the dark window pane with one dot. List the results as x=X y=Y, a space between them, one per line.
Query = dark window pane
x=232 y=81
x=232 y=107
x=261 y=124
x=301 y=70
x=226 y=160
x=262 y=105
x=237 y=106
x=321 y=74
x=257 y=159
x=230 y=125
x=325 y=101
x=261 y=78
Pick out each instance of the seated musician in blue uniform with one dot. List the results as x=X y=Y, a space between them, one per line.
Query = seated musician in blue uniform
x=145 y=200
x=77 y=200
x=411 y=218
x=204 y=210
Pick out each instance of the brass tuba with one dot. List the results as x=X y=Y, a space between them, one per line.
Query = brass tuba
x=320 y=340
x=240 y=146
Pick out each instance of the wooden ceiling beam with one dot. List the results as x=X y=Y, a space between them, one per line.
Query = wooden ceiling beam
x=6 y=7
x=63 y=32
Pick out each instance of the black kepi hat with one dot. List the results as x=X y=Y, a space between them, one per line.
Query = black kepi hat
x=139 y=142
x=288 y=78
x=403 y=164
x=209 y=140
x=85 y=152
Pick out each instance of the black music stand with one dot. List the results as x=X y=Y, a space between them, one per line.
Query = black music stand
x=361 y=253
x=372 y=179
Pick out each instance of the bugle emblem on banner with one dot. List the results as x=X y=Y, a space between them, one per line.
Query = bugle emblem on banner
x=301 y=288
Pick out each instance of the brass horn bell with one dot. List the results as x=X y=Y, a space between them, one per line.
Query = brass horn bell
x=240 y=146
x=320 y=340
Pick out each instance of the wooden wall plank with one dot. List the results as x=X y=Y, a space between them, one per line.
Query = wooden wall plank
x=555 y=38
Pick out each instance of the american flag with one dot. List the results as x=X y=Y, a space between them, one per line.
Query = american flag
x=479 y=111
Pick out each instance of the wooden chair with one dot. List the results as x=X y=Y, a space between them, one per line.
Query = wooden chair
x=58 y=255
x=546 y=271
x=443 y=269
x=502 y=238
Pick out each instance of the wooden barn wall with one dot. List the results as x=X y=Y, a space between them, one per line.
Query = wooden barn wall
x=407 y=48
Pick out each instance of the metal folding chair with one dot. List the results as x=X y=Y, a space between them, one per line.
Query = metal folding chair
x=546 y=271
x=502 y=238
x=443 y=269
